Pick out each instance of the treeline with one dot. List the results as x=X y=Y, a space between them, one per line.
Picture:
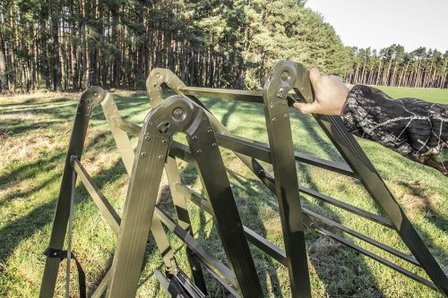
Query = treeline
x=394 y=67
x=72 y=44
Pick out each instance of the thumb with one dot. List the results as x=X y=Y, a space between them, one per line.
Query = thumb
x=307 y=108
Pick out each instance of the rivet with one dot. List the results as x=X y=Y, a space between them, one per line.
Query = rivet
x=178 y=114
x=285 y=115
x=209 y=130
x=271 y=106
x=274 y=119
x=199 y=151
x=147 y=138
x=214 y=145
x=158 y=75
x=194 y=138
x=285 y=76
x=143 y=154
x=280 y=93
x=164 y=141
x=161 y=156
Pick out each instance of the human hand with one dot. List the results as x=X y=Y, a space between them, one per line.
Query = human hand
x=330 y=95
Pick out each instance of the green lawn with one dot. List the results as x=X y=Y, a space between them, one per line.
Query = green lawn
x=34 y=132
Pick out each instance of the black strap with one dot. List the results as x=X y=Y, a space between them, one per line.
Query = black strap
x=62 y=254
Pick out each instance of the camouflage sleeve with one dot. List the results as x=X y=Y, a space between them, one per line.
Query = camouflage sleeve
x=412 y=127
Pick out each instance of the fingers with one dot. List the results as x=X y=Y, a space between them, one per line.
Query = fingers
x=310 y=108
x=307 y=108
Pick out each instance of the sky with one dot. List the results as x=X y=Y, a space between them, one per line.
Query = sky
x=381 y=23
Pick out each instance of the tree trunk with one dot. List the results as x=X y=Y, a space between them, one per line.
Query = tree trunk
x=3 y=77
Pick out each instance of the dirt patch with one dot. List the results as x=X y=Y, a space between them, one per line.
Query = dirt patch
x=415 y=198
x=413 y=202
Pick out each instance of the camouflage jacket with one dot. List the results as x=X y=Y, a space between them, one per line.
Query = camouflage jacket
x=414 y=128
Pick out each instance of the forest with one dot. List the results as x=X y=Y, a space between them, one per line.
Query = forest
x=73 y=44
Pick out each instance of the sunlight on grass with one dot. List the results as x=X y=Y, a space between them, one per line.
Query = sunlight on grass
x=34 y=132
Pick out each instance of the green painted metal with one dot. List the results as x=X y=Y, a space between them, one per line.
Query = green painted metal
x=275 y=92
x=156 y=151
x=124 y=146
x=150 y=156
x=89 y=99
x=299 y=77
x=180 y=203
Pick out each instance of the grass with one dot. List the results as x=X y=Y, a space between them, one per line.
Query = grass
x=34 y=132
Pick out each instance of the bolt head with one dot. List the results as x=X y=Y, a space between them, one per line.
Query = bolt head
x=285 y=76
x=179 y=114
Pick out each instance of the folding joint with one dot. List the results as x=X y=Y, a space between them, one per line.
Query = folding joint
x=90 y=98
x=176 y=113
x=276 y=90
x=156 y=78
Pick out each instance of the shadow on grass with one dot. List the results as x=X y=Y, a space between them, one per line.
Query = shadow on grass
x=250 y=209
x=24 y=227
x=31 y=169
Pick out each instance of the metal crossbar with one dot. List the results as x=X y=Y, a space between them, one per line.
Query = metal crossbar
x=157 y=152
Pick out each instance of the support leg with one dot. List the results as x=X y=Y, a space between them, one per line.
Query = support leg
x=286 y=183
x=124 y=146
x=89 y=98
x=137 y=214
x=204 y=148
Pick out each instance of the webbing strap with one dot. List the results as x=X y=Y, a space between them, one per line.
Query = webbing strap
x=62 y=254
